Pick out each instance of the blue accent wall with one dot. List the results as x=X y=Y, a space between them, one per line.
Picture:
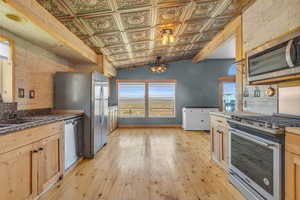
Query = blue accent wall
x=196 y=85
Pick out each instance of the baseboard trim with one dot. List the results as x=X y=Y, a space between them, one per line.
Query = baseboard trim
x=149 y=126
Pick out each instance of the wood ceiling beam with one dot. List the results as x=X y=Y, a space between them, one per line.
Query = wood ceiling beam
x=219 y=39
x=47 y=22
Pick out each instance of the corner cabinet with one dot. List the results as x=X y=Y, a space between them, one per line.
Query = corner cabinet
x=219 y=139
x=30 y=161
x=292 y=167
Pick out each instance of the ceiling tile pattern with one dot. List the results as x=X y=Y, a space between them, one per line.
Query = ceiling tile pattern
x=129 y=4
x=128 y=31
x=170 y=15
x=110 y=39
x=101 y=24
x=88 y=6
x=134 y=20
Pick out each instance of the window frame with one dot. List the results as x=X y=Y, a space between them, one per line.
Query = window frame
x=133 y=81
x=221 y=81
x=8 y=89
x=146 y=98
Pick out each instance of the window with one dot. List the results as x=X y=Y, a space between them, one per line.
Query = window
x=232 y=70
x=229 y=96
x=131 y=99
x=227 y=93
x=146 y=98
x=6 y=70
x=161 y=99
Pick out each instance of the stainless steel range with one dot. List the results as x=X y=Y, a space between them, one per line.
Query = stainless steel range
x=256 y=154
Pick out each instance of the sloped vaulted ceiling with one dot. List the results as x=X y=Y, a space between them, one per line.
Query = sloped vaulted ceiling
x=128 y=31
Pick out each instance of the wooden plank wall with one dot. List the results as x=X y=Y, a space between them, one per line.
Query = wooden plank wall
x=34 y=70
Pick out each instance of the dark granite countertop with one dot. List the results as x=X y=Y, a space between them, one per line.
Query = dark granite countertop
x=38 y=120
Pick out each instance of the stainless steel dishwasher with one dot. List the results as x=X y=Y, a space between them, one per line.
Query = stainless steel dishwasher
x=73 y=141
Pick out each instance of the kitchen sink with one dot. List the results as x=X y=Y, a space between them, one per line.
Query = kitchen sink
x=4 y=125
x=14 y=122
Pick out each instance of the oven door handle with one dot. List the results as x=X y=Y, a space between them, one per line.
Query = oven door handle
x=241 y=134
x=288 y=54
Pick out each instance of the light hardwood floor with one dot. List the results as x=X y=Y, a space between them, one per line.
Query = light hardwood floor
x=148 y=164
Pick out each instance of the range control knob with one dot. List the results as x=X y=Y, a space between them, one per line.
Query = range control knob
x=268 y=125
x=266 y=181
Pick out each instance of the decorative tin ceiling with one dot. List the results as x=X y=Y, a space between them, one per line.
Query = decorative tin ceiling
x=128 y=31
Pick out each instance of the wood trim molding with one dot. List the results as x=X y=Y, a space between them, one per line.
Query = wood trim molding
x=149 y=125
x=240 y=67
x=226 y=79
x=289 y=83
x=220 y=38
x=277 y=80
x=108 y=69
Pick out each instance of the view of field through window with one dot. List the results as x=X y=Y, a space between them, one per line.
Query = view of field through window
x=133 y=99
x=161 y=99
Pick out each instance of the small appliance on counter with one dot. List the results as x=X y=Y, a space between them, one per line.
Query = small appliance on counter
x=194 y=118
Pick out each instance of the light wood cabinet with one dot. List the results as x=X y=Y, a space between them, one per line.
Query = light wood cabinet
x=220 y=142
x=34 y=164
x=292 y=167
x=50 y=161
x=18 y=173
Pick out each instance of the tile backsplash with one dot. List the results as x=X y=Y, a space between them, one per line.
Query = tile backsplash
x=257 y=101
x=6 y=109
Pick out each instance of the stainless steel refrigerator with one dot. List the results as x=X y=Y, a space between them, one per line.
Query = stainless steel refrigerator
x=87 y=92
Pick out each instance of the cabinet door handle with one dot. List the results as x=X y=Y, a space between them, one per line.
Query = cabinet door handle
x=41 y=149
x=35 y=151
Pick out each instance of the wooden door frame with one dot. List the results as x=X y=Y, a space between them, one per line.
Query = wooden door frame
x=221 y=80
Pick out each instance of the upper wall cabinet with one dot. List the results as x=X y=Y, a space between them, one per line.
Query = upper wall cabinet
x=32 y=22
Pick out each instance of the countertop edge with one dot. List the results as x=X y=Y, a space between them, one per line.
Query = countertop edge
x=16 y=128
x=293 y=130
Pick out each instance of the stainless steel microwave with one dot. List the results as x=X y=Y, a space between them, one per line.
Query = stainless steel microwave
x=275 y=59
